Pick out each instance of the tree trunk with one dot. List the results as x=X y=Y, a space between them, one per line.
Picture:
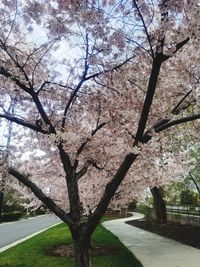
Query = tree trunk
x=82 y=253
x=159 y=204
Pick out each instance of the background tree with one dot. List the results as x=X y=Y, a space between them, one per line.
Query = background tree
x=187 y=197
x=5 y=157
x=194 y=174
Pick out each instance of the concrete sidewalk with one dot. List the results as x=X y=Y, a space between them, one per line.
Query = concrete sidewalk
x=151 y=249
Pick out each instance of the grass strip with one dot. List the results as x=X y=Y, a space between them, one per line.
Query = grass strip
x=32 y=253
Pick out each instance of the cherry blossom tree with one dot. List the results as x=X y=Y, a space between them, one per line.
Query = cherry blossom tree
x=4 y=159
x=194 y=174
x=98 y=87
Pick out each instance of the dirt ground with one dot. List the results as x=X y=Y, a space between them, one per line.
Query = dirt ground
x=68 y=251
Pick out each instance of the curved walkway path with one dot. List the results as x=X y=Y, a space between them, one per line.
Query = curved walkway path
x=151 y=249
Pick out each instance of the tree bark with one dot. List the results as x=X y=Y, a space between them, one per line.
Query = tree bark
x=159 y=204
x=1 y=204
x=82 y=253
x=2 y=190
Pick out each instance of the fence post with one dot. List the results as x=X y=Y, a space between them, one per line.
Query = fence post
x=188 y=212
x=199 y=212
x=179 y=216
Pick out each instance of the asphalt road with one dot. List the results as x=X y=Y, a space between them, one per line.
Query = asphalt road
x=11 y=232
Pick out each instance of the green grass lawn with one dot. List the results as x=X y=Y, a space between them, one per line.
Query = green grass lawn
x=31 y=253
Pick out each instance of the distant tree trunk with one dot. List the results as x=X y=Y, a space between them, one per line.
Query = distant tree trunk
x=1 y=204
x=159 y=204
x=4 y=174
x=2 y=189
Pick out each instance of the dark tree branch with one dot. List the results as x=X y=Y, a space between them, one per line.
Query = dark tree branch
x=82 y=146
x=86 y=78
x=42 y=111
x=65 y=160
x=31 y=92
x=72 y=186
x=149 y=98
x=83 y=79
x=21 y=68
x=178 y=47
x=85 y=167
x=162 y=122
x=145 y=27
x=156 y=65
x=139 y=45
x=193 y=179
x=176 y=108
x=23 y=123
x=176 y=122
x=5 y=73
x=92 y=76
x=54 y=83
x=157 y=62
x=49 y=46
x=12 y=24
x=45 y=199
x=141 y=89
x=100 y=82
x=73 y=96
x=100 y=126
x=109 y=192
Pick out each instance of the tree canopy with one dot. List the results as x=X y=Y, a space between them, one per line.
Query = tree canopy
x=99 y=86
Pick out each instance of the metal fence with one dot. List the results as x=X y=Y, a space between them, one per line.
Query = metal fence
x=184 y=214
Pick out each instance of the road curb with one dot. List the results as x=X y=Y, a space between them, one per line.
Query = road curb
x=26 y=238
